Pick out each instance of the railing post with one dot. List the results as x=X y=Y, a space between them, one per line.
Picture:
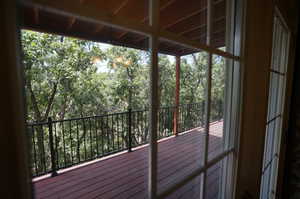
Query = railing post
x=203 y=112
x=129 y=130
x=219 y=110
x=52 y=151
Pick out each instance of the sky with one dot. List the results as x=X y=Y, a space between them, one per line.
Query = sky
x=102 y=64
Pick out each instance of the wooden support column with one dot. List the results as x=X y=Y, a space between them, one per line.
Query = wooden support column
x=177 y=96
x=15 y=181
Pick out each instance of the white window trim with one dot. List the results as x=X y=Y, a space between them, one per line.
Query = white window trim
x=271 y=155
x=152 y=30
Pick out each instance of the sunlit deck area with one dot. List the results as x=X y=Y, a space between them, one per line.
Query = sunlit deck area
x=124 y=175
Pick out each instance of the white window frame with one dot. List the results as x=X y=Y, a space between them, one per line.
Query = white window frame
x=234 y=71
x=274 y=131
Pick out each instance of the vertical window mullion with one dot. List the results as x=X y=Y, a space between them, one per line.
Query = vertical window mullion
x=207 y=98
x=154 y=101
x=207 y=121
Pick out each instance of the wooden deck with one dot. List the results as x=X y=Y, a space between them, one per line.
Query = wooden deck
x=125 y=175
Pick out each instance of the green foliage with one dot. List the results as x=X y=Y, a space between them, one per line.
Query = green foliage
x=60 y=75
x=63 y=79
x=128 y=75
x=68 y=78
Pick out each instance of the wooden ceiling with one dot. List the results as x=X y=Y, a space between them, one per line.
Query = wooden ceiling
x=186 y=18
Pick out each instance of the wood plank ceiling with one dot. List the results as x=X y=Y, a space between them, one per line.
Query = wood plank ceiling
x=182 y=17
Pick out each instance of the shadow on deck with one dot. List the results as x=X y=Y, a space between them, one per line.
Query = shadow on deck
x=124 y=175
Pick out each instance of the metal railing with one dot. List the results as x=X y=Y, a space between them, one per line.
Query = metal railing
x=60 y=144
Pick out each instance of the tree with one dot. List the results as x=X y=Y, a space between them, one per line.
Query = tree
x=53 y=65
x=68 y=78
x=129 y=71
x=193 y=78
x=55 y=68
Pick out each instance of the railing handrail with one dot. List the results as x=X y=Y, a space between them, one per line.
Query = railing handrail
x=104 y=115
x=57 y=144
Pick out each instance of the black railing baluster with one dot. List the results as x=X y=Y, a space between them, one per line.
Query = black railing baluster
x=64 y=143
x=102 y=136
x=220 y=110
x=133 y=132
x=107 y=135
x=71 y=142
x=142 y=126
x=42 y=153
x=91 y=141
x=184 y=118
x=159 y=124
x=78 y=143
x=118 y=135
x=56 y=143
x=170 y=121
x=164 y=122
x=137 y=128
x=97 y=136
x=52 y=151
x=122 y=131
x=129 y=130
x=203 y=112
x=114 y=132
x=34 y=150
x=179 y=118
x=84 y=139
x=167 y=122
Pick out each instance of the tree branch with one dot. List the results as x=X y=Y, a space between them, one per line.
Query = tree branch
x=34 y=102
x=50 y=101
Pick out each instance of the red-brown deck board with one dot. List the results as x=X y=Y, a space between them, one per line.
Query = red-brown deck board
x=125 y=175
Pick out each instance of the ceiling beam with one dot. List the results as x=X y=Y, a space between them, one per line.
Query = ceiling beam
x=115 y=12
x=91 y=14
x=88 y=13
x=36 y=14
x=200 y=26
x=199 y=38
x=73 y=19
x=185 y=18
x=168 y=3
x=202 y=35
x=71 y=23
x=188 y=30
x=168 y=36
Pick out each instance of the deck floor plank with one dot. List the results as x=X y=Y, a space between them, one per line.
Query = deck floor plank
x=125 y=175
